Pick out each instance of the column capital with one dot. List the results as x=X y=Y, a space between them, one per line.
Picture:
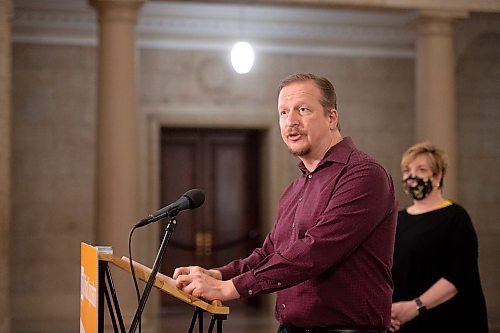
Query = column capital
x=442 y=14
x=438 y=22
x=116 y=3
x=117 y=10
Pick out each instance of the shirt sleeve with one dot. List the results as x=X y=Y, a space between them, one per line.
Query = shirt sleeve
x=462 y=251
x=241 y=266
x=362 y=198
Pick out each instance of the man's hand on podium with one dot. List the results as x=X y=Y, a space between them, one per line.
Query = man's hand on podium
x=204 y=283
x=197 y=270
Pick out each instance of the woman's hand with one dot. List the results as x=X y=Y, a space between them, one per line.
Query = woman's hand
x=401 y=313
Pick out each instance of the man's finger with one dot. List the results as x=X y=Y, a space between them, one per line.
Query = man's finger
x=181 y=271
x=189 y=288
x=183 y=280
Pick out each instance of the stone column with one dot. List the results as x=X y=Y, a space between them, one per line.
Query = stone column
x=436 y=112
x=117 y=158
x=5 y=174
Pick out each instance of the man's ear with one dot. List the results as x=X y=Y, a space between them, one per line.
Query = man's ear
x=334 y=119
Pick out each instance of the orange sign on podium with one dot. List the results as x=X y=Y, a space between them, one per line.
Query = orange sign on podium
x=96 y=283
x=88 y=289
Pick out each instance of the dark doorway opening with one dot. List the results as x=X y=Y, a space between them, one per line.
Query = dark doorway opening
x=225 y=165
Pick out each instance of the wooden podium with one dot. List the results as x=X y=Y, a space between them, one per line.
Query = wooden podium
x=97 y=286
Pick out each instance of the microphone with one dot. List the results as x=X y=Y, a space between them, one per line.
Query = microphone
x=193 y=198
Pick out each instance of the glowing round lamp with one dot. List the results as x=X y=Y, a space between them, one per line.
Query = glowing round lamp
x=242 y=57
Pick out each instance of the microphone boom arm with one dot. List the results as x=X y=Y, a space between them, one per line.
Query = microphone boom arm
x=169 y=230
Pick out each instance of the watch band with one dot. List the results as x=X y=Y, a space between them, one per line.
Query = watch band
x=420 y=306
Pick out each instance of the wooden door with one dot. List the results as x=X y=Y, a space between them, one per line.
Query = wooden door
x=224 y=164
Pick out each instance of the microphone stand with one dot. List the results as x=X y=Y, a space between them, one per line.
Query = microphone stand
x=169 y=229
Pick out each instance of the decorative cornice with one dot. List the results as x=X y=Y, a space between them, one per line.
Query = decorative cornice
x=482 y=6
x=201 y=26
x=54 y=22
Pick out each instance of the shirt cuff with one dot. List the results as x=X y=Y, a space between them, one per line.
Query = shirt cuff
x=226 y=273
x=247 y=285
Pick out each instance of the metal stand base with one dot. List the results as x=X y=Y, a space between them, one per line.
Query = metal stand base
x=216 y=319
x=108 y=290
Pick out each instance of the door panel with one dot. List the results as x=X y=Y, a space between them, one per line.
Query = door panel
x=224 y=164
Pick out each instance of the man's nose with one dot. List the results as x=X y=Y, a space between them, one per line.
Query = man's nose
x=292 y=119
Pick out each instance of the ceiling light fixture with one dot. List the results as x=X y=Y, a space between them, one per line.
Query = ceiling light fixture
x=242 y=57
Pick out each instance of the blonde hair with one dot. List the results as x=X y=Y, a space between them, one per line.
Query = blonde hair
x=437 y=158
x=329 y=97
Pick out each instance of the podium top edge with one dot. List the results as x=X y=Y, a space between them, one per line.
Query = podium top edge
x=104 y=249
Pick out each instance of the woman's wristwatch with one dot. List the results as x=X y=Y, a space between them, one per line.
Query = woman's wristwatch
x=420 y=306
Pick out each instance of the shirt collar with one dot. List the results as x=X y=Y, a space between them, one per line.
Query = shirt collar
x=338 y=153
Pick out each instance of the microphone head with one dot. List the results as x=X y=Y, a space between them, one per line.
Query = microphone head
x=196 y=198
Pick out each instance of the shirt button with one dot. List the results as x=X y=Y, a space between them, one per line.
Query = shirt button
x=300 y=199
x=283 y=305
x=279 y=284
x=309 y=176
x=250 y=292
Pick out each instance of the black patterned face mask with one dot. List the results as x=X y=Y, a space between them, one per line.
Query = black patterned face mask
x=417 y=187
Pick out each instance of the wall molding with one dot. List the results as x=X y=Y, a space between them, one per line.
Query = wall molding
x=201 y=26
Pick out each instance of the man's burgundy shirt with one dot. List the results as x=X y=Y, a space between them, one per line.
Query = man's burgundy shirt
x=329 y=254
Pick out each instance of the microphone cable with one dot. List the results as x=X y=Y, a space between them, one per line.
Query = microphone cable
x=134 y=278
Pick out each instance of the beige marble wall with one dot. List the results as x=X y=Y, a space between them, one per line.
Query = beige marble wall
x=52 y=182
x=370 y=91
x=478 y=101
x=5 y=146
x=53 y=145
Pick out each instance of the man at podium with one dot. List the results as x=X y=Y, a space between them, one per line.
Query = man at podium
x=329 y=254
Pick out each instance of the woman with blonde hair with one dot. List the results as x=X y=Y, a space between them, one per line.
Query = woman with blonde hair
x=435 y=272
